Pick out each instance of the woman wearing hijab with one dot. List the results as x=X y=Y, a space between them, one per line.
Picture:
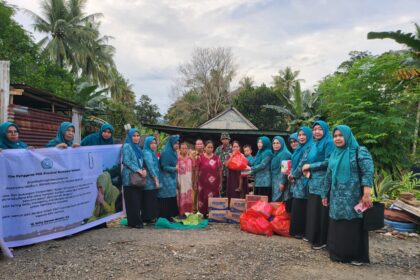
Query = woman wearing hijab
x=316 y=164
x=103 y=137
x=9 y=137
x=261 y=167
x=151 y=162
x=294 y=141
x=106 y=197
x=65 y=136
x=348 y=181
x=168 y=207
x=132 y=160
x=300 y=184
x=280 y=188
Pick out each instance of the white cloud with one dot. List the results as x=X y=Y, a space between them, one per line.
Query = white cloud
x=153 y=37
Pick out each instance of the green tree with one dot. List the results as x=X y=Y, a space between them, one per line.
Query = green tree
x=412 y=41
x=380 y=109
x=250 y=102
x=72 y=39
x=146 y=111
x=26 y=64
x=121 y=90
x=297 y=107
x=286 y=82
x=186 y=111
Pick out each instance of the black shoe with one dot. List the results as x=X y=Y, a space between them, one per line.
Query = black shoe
x=298 y=236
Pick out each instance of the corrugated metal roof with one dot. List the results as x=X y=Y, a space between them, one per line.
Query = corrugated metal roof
x=47 y=96
x=37 y=127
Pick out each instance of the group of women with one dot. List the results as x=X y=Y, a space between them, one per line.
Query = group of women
x=329 y=175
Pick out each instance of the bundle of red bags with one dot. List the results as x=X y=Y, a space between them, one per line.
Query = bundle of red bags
x=256 y=219
x=281 y=221
x=237 y=162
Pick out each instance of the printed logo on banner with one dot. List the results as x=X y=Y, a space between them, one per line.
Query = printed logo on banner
x=47 y=163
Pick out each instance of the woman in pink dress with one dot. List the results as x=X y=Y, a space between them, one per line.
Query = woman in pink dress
x=209 y=167
x=185 y=170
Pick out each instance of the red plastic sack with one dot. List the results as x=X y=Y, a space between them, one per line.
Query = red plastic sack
x=237 y=162
x=263 y=208
x=281 y=212
x=259 y=226
x=280 y=226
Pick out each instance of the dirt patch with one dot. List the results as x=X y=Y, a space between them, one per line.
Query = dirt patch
x=220 y=251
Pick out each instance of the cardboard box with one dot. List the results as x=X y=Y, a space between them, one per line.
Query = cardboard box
x=218 y=203
x=234 y=217
x=218 y=216
x=252 y=199
x=237 y=205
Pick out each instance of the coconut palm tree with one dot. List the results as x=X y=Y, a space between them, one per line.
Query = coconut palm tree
x=73 y=40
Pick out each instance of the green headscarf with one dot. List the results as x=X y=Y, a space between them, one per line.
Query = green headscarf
x=264 y=151
x=60 y=135
x=339 y=161
x=110 y=192
x=5 y=143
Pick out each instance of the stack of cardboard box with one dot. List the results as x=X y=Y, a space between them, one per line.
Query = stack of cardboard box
x=236 y=208
x=218 y=209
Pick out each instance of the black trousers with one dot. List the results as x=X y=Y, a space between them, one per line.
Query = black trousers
x=133 y=198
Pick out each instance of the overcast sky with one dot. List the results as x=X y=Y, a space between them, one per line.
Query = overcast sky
x=153 y=37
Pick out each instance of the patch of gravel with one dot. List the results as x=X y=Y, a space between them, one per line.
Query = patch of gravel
x=220 y=251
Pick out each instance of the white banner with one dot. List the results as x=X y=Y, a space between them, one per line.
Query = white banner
x=49 y=193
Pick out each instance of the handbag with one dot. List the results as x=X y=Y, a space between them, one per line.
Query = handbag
x=373 y=218
x=136 y=180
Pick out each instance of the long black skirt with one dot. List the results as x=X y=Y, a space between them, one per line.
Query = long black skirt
x=133 y=198
x=298 y=217
x=150 y=210
x=316 y=221
x=168 y=207
x=264 y=191
x=347 y=241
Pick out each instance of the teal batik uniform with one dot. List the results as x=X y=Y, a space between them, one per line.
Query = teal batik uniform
x=151 y=162
x=262 y=163
x=95 y=139
x=6 y=143
x=251 y=160
x=300 y=186
x=168 y=161
x=132 y=157
x=277 y=177
x=317 y=158
x=59 y=138
x=346 y=174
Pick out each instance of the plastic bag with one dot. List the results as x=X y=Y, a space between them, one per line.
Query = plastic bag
x=237 y=162
x=281 y=226
x=281 y=212
x=263 y=208
x=260 y=226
